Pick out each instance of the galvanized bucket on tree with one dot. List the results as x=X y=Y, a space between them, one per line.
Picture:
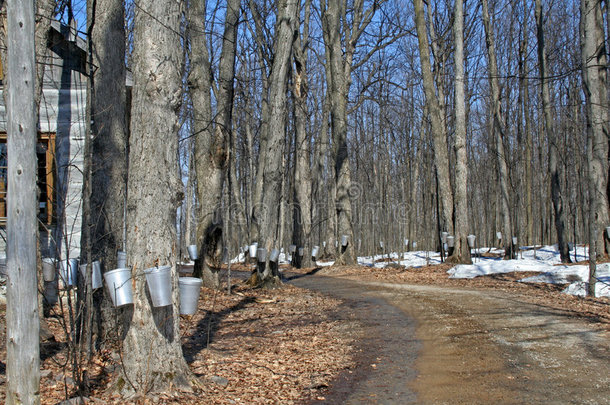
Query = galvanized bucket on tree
x=159 y=285
x=118 y=282
x=68 y=273
x=48 y=269
x=253 y=248
x=450 y=241
x=189 y=294
x=274 y=256
x=261 y=255
x=96 y=274
x=471 y=239
x=121 y=259
x=192 y=249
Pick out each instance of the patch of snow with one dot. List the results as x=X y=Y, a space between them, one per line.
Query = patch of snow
x=407 y=259
x=239 y=259
x=577 y=276
x=544 y=260
x=580 y=288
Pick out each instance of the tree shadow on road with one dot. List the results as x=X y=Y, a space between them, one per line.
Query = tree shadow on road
x=207 y=327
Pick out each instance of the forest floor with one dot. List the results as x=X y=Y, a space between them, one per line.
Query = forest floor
x=391 y=335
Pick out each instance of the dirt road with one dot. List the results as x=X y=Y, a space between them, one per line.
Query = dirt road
x=435 y=345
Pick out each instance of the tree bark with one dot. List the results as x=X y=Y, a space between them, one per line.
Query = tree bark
x=556 y=192
x=275 y=142
x=594 y=86
x=152 y=351
x=212 y=133
x=108 y=144
x=439 y=131
x=257 y=197
x=339 y=60
x=461 y=252
x=498 y=130
x=302 y=165
x=525 y=108
x=22 y=320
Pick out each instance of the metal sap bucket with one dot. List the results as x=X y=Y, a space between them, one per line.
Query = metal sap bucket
x=118 y=282
x=48 y=269
x=252 y=249
x=189 y=294
x=159 y=285
x=96 y=274
x=261 y=255
x=121 y=259
x=192 y=250
x=68 y=273
x=450 y=241
x=274 y=256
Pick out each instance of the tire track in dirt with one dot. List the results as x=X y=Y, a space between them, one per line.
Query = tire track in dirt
x=432 y=344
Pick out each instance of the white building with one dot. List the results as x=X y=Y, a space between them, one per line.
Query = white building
x=61 y=138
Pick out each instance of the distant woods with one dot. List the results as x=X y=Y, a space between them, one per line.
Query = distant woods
x=379 y=143
x=385 y=122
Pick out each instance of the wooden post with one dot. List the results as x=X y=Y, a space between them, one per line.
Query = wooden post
x=22 y=323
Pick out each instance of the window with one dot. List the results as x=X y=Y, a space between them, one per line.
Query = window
x=45 y=153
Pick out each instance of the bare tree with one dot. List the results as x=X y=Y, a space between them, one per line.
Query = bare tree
x=594 y=86
x=341 y=38
x=302 y=167
x=274 y=146
x=264 y=53
x=438 y=128
x=211 y=131
x=524 y=109
x=461 y=251
x=22 y=320
x=498 y=130
x=557 y=195
x=106 y=187
x=153 y=359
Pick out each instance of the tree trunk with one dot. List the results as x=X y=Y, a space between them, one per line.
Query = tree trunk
x=22 y=320
x=498 y=131
x=152 y=351
x=461 y=251
x=525 y=108
x=108 y=144
x=594 y=86
x=326 y=185
x=556 y=193
x=257 y=198
x=338 y=86
x=212 y=134
x=238 y=206
x=302 y=166
x=439 y=132
x=276 y=137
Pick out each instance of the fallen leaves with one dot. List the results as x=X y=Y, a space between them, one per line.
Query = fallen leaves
x=250 y=347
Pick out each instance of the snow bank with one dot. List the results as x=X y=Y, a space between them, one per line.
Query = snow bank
x=544 y=260
x=577 y=276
